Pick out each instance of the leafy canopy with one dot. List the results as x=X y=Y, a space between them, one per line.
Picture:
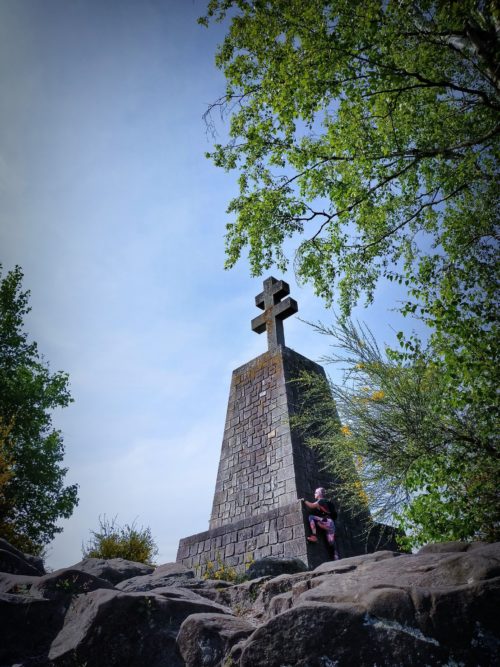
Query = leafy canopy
x=418 y=461
x=366 y=138
x=32 y=492
x=367 y=131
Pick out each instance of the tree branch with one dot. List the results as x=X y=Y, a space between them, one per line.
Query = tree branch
x=366 y=246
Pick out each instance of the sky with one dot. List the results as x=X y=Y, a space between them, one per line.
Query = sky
x=117 y=219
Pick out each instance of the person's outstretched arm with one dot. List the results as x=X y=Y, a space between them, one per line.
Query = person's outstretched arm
x=312 y=506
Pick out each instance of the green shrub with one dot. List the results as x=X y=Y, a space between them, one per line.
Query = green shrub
x=115 y=541
x=220 y=571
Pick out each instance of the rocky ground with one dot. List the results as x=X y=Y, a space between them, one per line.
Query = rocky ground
x=437 y=607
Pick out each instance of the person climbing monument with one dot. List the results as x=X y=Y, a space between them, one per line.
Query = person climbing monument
x=322 y=516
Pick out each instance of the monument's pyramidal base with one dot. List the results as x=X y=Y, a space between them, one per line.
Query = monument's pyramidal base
x=265 y=466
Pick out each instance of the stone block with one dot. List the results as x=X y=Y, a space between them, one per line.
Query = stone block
x=262 y=540
x=251 y=545
x=285 y=534
x=292 y=519
x=183 y=551
x=289 y=497
x=285 y=473
x=258 y=529
x=263 y=552
x=299 y=531
x=240 y=548
x=296 y=549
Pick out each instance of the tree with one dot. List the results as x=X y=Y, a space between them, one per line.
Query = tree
x=371 y=130
x=32 y=492
x=418 y=462
x=366 y=138
x=115 y=541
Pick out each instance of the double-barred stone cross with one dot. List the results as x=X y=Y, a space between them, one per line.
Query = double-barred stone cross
x=275 y=311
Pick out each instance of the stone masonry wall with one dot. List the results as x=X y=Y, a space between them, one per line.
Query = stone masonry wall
x=262 y=464
x=265 y=467
x=278 y=532
x=255 y=454
x=309 y=472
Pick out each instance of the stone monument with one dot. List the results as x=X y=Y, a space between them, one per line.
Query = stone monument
x=265 y=466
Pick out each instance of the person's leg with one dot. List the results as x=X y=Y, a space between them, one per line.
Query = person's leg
x=312 y=524
x=324 y=524
x=317 y=521
x=330 y=538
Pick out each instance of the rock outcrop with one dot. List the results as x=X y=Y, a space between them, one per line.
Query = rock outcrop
x=437 y=607
x=14 y=561
x=113 y=570
x=272 y=566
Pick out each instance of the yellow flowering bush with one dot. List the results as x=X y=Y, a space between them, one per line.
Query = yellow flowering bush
x=361 y=493
x=378 y=395
x=220 y=571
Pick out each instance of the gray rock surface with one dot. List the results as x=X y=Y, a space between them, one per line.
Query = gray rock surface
x=170 y=574
x=178 y=593
x=271 y=566
x=204 y=639
x=28 y=626
x=434 y=608
x=113 y=570
x=438 y=607
x=14 y=561
x=17 y=584
x=240 y=597
x=336 y=634
x=109 y=627
x=66 y=582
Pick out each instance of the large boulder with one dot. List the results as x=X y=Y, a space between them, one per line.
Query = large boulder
x=173 y=570
x=17 y=584
x=315 y=635
x=169 y=574
x=16 y=562
x=437 y=607
x=178 y=593
x=427 y=570
x=204 y=639
x=241 y=598
x=28 y=626
x=113 y=570
x=66 y=583
x=273 y=566
x=107 y=628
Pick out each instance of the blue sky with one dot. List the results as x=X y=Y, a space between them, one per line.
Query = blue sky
x=117 y=219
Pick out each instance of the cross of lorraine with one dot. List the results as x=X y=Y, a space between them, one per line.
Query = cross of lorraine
x=275 y=311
